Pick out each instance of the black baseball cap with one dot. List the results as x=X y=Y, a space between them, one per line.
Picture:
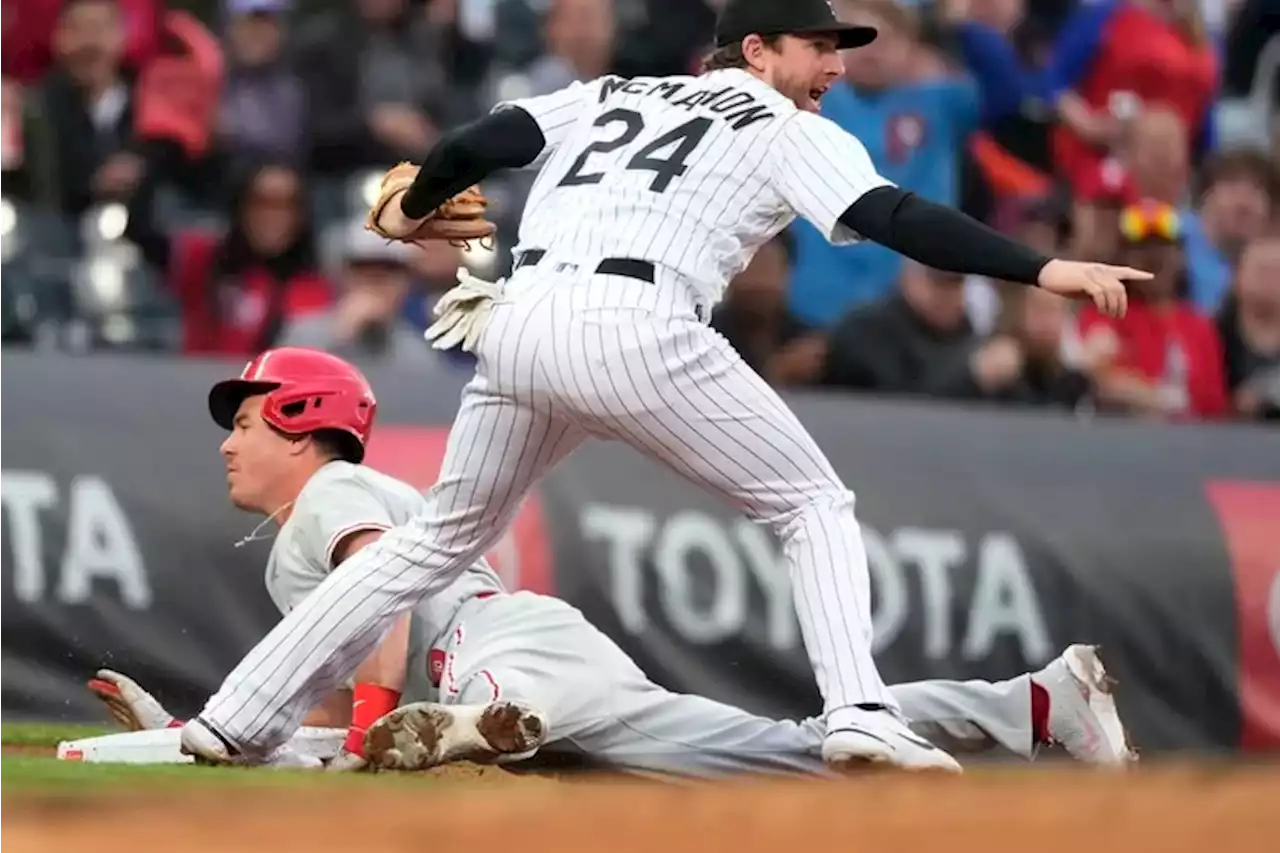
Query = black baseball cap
x=741 y=18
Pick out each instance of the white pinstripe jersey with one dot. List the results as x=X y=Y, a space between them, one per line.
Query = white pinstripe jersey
x=692 y=173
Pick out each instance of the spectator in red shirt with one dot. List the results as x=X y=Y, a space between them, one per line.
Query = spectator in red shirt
x=28 y=35
x=1165 y=358
x=239 y=292
x=1115 y=60
x=27 y=47
x=1151 y=165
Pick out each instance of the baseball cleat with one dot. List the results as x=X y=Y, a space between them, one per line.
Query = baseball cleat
x=204 y=744
x=426 y=734
x=1083 y=717
x=880 y=740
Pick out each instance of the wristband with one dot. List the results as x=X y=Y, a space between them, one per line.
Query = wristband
x=369 y=703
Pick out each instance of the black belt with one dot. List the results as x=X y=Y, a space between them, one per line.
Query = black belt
x=629 y=267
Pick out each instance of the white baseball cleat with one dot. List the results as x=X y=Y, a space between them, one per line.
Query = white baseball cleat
x=426 y=734
x=1083 y=717
x=881 y=740
x=202 y=743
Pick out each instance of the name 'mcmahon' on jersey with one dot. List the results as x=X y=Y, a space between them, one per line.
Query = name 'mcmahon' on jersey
x=692 y=173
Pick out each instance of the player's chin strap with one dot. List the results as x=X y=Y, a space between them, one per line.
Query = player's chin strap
x=461 y=313
x=253 y=534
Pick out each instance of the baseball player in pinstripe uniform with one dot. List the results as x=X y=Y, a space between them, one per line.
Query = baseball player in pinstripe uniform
x=489 y=674
x=651 y=194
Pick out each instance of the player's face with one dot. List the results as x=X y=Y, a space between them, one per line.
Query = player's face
x=803 y=68
x=257 y=459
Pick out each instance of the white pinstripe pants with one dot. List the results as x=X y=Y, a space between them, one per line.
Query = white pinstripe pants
x=567 y=356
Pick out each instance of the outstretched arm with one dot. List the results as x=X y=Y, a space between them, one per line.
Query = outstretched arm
x=826 y=176
x=940 y=237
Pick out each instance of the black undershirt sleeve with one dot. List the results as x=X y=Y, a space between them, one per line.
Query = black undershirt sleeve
x=940 y=237
x=506 y=139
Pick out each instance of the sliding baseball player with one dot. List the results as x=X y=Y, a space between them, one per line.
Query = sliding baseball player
x=477 y=672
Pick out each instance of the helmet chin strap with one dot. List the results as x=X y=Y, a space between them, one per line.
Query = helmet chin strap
x=253 y=534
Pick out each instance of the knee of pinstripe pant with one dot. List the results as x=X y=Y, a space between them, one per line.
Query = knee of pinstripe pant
x=835 y=502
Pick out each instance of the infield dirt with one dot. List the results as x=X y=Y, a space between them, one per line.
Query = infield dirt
x=1032 y=810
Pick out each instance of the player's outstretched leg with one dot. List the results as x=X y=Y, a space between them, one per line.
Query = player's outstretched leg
x=674 y=389
x=1070 y=702
x=427 y=734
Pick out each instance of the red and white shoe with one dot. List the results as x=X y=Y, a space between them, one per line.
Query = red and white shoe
x=133 y=707
x=426 y=734
x=1083 y=717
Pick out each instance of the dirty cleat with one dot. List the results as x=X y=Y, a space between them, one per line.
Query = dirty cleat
x=426 y=734
x=1083 y=717
x=878 y=740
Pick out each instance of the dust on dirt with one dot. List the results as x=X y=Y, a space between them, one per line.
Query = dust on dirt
x=28 y=749
x=1042 y=809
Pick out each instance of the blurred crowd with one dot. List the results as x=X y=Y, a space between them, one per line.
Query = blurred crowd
x=191 y=178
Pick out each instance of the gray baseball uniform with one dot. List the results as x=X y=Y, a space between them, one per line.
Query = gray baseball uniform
x=489 y=645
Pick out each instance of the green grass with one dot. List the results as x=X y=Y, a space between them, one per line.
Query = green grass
x=37 y=774
x=47 y=734
x=43 y=774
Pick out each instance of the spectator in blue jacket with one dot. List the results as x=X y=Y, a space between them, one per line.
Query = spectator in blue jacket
x=1005 y=46
x=1241 y=190
x=914 y=130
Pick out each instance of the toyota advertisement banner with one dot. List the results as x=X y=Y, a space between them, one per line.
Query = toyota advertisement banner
x=995 y=538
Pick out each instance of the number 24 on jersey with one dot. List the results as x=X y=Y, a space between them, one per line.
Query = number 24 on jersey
x=665 y=156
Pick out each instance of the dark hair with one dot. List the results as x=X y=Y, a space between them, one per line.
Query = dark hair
x=234 y=254
x=336 y=444
x=1245 y=163
x=730 y=56
x=1053 y=210
x=332 y=443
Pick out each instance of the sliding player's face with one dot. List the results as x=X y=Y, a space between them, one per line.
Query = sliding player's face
x=803 y=67
x=257 y=457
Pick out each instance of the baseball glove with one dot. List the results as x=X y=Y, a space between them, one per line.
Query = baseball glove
x=458 y=221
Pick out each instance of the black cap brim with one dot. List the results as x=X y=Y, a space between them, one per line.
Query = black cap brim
x=225 y=398
x=847 y=35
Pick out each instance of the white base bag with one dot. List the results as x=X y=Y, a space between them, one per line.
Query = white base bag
x=162 y=746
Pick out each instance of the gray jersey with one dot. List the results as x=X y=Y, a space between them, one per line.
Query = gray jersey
x=341 y=499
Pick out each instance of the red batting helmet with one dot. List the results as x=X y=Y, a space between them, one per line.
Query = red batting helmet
x=306 y=390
